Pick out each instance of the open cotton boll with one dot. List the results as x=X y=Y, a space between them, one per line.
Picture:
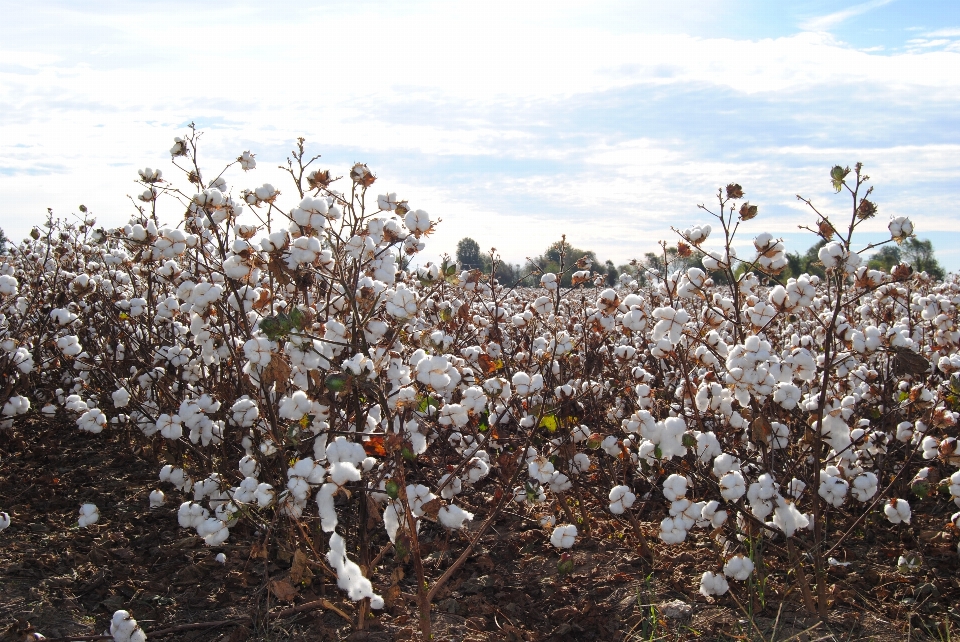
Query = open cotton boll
x=540 y=469
x=711 y=515
x=897 y=511
x=673 y=530
x=454 y=517
x=4 y=521
x=713 y=584
x=328 y=514
x=249 y=466
x=621 y=498
x=564 y=536
x=342 y=450
x=191 y=514
x=221 y=558
x=833 y=488
x=738 y=567
x=121 y=398
x=343 y=472
x=732 y=486
x=864 y=486
x=156 y=498
x=213 y=531
x=124 y=628
x=675 y=487
x=89 y=514
x=349 y=576
x=307 y=469
x=418 y=495
x=788 y=518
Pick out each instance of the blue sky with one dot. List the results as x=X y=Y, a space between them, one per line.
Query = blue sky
x=512 y=122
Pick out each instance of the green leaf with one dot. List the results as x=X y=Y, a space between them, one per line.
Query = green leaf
x=549 y=422
x=426 y=402
x=271 y=327
x=336 y=382
x=920 y=489
x=657 y=453
x=392 y=488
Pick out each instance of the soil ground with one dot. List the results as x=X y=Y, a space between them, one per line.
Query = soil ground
x=60 y=580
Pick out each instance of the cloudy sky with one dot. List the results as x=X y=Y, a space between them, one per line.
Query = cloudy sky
x=513 y=122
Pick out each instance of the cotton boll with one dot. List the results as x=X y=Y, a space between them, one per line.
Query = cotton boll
x=453 y=517
x=191 y=514
x=621 y=498
x=249 y=467
x=213 y=531
x=89 y=515
x=711 y=515
x=156 y=498
x=343 y=472
x=864 y=486
x=675 y=487
x=4 y=521
x=833 y=488
x=221 y=558
x=732 y=486
x=672 y=530
x=342 y=450
x=897 y=511
x=724 y=463
x=349 y=576
x=328 y=514
x=738 y=567
x=121 y=398
x=124 y=628
x=788 y=518
x=540 y=469
x=564 y=536
x=264 y=495
x=713 y=584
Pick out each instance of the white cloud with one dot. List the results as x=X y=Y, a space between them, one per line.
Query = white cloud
x=943 y=33
x=440 y=81
x=831 y=20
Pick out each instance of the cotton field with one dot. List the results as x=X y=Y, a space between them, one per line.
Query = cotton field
x=302 y=372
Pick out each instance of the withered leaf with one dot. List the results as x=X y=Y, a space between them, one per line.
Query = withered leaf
x=300 y=572
x=283 y=590
x=906 y=361
x=278 y=372
x=431 y=509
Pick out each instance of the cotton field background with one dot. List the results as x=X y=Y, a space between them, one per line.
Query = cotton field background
x=398 y=451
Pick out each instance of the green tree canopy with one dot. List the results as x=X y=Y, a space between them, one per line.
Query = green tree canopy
x=468 y=254
x=919 y=255
x=549 y=261
x=885 y=258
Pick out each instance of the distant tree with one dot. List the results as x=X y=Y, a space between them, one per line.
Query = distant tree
x=468 y=254
x=919 y=255
x=549 y=261
x=885 y=258
x=654 y=261
x=612 y=273
x=3 y=241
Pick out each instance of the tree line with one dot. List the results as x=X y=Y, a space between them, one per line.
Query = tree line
x=917 y=253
